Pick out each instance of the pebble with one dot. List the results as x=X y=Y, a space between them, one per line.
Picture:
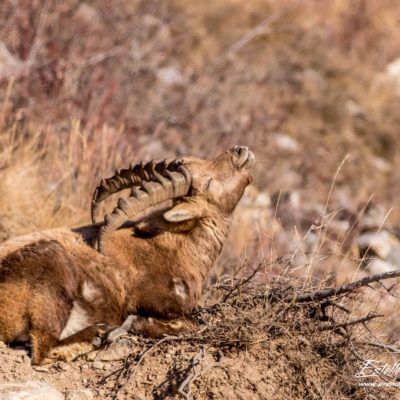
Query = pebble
x=383 y=245
x=62 y=366
x=98 y=364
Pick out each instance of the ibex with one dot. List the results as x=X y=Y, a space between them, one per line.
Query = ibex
x=58 y=286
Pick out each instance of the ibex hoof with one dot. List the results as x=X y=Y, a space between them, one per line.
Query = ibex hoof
x=122 y=330
x=115 y=334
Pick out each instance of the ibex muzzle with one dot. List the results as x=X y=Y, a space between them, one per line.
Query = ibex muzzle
x=57 y=289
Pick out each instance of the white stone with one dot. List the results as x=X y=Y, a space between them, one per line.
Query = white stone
x=377 y=266
x=170 y=75
x=381 y=243
x=393 y=69
x=285 y=142
x=31 y=390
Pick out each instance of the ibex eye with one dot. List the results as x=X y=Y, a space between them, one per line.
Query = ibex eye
x=208 y=184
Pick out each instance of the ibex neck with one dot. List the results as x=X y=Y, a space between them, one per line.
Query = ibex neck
x=209 y=238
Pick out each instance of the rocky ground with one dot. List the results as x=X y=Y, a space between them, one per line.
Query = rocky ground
x=247 y=375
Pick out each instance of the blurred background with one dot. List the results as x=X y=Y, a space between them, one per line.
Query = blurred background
x=312 y=87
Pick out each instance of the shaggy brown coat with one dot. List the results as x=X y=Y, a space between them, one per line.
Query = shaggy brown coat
x=55 y=288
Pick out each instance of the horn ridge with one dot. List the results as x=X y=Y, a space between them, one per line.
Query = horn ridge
x=127 y=178
x=151 y=193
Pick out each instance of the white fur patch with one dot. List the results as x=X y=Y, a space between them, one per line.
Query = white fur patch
x=179 y=288
x=89 y=291
x=77 y=321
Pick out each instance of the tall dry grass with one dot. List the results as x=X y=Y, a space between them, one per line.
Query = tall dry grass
x=47 y=179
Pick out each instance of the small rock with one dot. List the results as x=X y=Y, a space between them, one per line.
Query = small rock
x=382 y=244
x=170 y=75
x=91 y=356
x=62 y=366
x=81 y=394
x=285 y=142
x=97 y=342
x=354 y=109
x=32 y=390
x=393 y=70
x=382 y=165
x=98 y=364
x=377 y=266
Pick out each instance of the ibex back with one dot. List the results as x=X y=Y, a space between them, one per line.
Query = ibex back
x=58 y=286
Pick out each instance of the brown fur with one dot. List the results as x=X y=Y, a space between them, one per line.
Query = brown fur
x=57 y=289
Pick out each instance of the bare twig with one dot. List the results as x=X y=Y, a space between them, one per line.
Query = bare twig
x=195 y=370
x=392 y=349
x=338 y=305
x=367 y=318
x=346 y=288
x=185 y=389
x=243 y=282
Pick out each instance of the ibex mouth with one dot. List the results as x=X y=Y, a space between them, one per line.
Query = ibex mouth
x=244 y=157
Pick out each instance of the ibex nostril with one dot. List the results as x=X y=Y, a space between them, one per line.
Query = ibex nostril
x=239 y=150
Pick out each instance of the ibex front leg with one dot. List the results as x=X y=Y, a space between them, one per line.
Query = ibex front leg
x=152 y=327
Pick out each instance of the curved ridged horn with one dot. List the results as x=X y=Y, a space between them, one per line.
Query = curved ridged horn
x=126 y=178
x=151 y=193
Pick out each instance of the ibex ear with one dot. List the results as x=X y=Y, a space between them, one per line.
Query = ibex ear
x=182 y=212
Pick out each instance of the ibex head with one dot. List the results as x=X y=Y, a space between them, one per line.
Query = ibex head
x=203 y=186
x=217 y=184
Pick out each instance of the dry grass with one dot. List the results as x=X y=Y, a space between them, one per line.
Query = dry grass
x=47 y=179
